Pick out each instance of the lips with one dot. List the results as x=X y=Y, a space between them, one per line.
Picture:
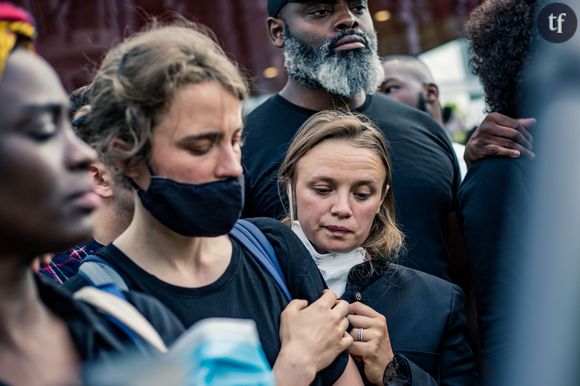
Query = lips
x=350 y=42
x=86 y=200
x=338 y=230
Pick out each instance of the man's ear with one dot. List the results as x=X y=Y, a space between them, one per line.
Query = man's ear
x=432 y=92
x=102 y=180
x=276 y=28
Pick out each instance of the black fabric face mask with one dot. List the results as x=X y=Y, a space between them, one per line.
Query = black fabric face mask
x=200 y=210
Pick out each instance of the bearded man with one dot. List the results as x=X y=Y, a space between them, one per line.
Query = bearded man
x=330 y=56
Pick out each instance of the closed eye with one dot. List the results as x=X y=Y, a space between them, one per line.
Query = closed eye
x=43 y=122
x=42 y=130
x=362 y=196
x=322 y=191
x=391 y=89
x=238 y=140
x=320 y=12
x=200 y=148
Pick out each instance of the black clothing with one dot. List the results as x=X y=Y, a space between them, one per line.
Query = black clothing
x=494 y=202
x=245 y=290
x=425 y=171
x=94 y=336
x=425 y=317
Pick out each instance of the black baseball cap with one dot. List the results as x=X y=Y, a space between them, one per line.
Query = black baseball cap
x=274 y=6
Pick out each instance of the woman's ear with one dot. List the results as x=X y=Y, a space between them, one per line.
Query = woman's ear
x=276 y=29
x=385 y=191
x=132 y=170
x=290 y=194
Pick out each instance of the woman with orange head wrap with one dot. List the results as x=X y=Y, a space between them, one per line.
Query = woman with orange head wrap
x=45 y=206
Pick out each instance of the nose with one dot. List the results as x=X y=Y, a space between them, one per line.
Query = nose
x=345 y=19
x=229 y=163
x=78 y=155
x=341 y=206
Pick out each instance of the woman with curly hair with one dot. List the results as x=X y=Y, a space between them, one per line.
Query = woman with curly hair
x=493 y=195
x=501 y=34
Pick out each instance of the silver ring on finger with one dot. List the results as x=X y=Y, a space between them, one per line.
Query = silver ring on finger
x=361 y=335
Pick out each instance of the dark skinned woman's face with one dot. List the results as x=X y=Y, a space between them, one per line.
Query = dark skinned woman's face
x=46 y=195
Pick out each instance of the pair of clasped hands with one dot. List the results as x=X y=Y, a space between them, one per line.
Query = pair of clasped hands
x=319 y=333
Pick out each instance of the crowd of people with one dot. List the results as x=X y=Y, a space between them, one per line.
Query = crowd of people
x=382 y=267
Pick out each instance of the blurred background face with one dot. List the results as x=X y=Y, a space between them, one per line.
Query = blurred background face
x=199 y=138
x=400 y=84
x=46 y=193
x=338 y=192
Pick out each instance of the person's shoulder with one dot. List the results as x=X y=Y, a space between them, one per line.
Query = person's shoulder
x=78 y=281
x=161 y=318
x=496 y=174
x=267 y=223
x=499 y=166
x=390 y=114
x=272 y=109
x=75 y=283
x=273 y=229
x=81 y=317
x=381 y=104
x=429 y=286
x=291 y=253
x=262 y=108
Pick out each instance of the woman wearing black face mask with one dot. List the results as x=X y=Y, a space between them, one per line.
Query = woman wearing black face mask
x=167 y=111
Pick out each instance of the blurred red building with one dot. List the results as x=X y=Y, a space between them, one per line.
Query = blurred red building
x=74 y=34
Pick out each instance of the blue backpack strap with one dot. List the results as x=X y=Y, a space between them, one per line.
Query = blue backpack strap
x=251 y=237
x=100 y=274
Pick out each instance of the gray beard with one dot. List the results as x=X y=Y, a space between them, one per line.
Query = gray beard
x=345 y=74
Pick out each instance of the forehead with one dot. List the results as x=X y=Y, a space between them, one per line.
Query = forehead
x=27 y=81
x=342 y=160
x=198 y=107
x=297 y=5
x=400 y=70
x=331 y=2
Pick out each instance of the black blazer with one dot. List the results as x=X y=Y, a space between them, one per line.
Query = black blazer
x=425 y=317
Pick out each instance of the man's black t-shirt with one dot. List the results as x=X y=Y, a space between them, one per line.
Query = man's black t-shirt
x=425 y=171
x=245 y=290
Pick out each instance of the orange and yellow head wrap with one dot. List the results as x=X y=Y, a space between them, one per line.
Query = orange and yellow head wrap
x=16 y=29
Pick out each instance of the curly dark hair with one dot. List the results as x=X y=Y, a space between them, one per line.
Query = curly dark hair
x=501 y=34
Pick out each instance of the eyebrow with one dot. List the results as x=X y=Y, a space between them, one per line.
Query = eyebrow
x=31 y=111
x=208 y=136
x=331 y=180
x=43 y=108
x=310 y=2
x=330 y=2
x=390 y=79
